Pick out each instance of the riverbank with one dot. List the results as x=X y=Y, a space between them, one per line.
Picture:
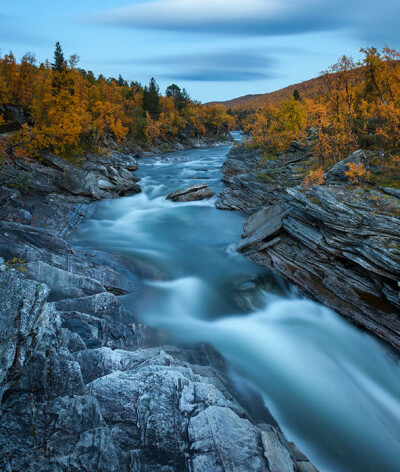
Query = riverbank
x=339 y=244
x=85 y=386
x=185 y=142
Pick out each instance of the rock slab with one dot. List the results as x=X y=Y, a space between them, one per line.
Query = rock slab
x=192 y=193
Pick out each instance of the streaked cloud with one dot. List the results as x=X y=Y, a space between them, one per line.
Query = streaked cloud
x=229 y=59
x=228 y=65
x=224 y=66
x=218 y=75
x=250 y=17
x=365 y=19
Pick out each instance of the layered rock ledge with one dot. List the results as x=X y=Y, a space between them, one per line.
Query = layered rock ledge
x=339 y=244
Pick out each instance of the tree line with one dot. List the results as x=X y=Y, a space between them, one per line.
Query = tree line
x=71 y=110
x=356 y=104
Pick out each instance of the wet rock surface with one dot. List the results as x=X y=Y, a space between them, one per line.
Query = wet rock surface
x=338 y=243
x=191 y=193
x=96 y=177
x=83 y=385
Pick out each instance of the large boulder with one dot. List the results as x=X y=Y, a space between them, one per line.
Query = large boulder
x=191 y=193
x=15 y=116
x=338 y=172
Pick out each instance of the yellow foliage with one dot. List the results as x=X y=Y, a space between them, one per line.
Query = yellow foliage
x=153 y=128
x=276 y=127
x=72 y=111
x=356 y=173
x=353 y=104
x=16 y=264
x=315 y=177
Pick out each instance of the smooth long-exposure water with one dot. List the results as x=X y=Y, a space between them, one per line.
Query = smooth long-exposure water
x=334 y=390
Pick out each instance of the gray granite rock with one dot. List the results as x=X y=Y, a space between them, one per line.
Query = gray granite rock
x=191 y=193
x=262 y=227
x=63 y=284
x=98 y=177
x=254 y=182
x=218 y=432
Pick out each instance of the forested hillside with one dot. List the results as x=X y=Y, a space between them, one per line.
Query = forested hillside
x=351 y=105
x=306 y=89
x=67 y=110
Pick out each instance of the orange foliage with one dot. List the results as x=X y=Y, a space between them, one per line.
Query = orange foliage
x=72 y=111
x=315 y=177
x=356 y=173
x=351 y=105
x=276 y=127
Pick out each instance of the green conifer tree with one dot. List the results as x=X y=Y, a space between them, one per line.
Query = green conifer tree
x=181 y=97
x=59 y=63
x=151 y=99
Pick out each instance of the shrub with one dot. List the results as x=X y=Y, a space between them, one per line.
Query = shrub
x=315 y=177
x=356 y=173
x=17 y=264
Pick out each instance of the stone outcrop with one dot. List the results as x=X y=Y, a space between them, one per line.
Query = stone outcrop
x=96 y=177
x=254 y=182
x=338 y=244
x=338 y=172
x=192 y=193
x=82 y=392
x=15 y=116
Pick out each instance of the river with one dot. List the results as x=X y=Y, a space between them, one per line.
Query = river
x=334 y=389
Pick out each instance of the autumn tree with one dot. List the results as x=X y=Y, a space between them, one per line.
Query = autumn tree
x=315 y=177
x=276 y=127
x=70 y=111
x=262 y=128
x=218 y=119
x=197 y=117
x=356 y=173
x=59 y=118
x=9 y=75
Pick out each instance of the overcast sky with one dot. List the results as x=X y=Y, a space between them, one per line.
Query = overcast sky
x=216 y=49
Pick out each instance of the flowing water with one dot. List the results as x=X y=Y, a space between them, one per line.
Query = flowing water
x=334 y=390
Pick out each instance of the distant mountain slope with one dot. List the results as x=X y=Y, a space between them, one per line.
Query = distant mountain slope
x=306 y=89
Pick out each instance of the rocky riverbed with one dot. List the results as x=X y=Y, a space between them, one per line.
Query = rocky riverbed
x=84 y=385
x=339 y=244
